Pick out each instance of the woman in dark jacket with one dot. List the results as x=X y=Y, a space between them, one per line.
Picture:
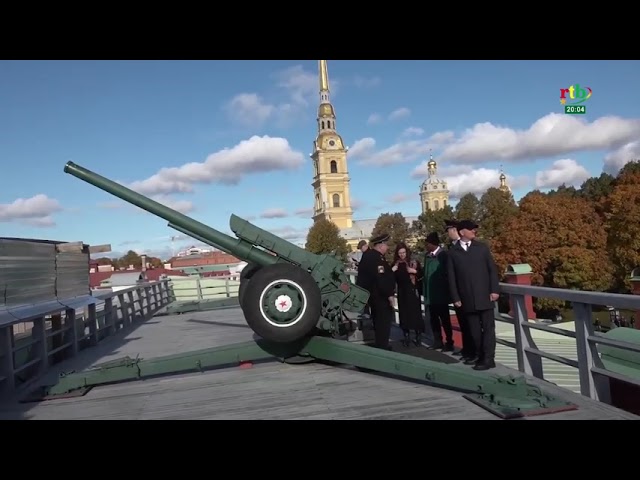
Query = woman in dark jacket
x=408 y=273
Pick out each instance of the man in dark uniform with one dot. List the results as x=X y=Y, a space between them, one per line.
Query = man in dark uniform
x=468 y=347
x=363 y=247
x=376 y=276
x=474 y=287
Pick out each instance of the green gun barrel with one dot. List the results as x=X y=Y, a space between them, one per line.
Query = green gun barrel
x=233 y=246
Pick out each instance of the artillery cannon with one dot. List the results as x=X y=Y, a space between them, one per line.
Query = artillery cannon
x=296 y=302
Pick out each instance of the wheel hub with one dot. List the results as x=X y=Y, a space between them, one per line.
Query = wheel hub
x=282 y=303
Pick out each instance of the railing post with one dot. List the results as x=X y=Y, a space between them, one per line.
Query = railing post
x=635 y=289
x=109 y=320
x=528 y=362
x=92 y=317
x=199 y=288
x=72 y=334
x=6 y=360
x=591 y=385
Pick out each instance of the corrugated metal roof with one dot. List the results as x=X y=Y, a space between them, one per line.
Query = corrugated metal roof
x=72 y=275
x=27 y=272
x=34 y=272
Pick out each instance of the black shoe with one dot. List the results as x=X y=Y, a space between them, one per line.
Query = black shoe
x=406 y=340
x=448 y=347
x=436 y=346
x=486 y=365
x=418 y=340
x=471 y=361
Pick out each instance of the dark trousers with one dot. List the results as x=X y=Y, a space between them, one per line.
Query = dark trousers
x=482 y=326
x=382 y=315
x=468 y=345
x=440 y=320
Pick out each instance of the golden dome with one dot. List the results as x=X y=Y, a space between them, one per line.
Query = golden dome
x=326 y=110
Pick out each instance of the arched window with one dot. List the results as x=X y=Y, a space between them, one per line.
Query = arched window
x=336 y=200
x=426 y=206
x=334 y=166
x=323 y=125
x=436 y=204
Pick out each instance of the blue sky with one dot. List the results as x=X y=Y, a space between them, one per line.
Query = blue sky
x=253 y=122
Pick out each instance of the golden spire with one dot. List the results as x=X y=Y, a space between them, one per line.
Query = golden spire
x=326 y=113
x=323 y=72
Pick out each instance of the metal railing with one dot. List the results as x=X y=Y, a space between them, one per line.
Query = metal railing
x=593 y=376
x=207 y=288
x=35 y=337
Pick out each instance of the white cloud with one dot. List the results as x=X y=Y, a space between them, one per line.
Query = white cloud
x=565 y=171
x=399 y=113
x=617 y=159
x=413 y=132
x=304 y=212
x=182 y=206
x=374 y=119
x=250 y=109
x=35 y=211
x=401 y=197
x=274 y=213
x=292 y=234
x=300 y=89
x=551 y=135
x=406 y=151
x=462 y=179
x=229 y=166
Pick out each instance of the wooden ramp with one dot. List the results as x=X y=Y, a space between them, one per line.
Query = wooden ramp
x=267 y=391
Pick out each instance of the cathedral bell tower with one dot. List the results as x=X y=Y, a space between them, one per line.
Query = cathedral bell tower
x=330 y=173
x=434 y=193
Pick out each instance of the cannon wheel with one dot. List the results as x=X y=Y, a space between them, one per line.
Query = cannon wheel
x=245 y=275
x=282 y=303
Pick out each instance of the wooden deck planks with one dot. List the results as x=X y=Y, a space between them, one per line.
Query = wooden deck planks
x=268 y=391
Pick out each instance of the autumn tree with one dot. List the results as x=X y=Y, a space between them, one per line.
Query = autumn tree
x=495 y=210
x=324 y=237
x=468 y=208
x=396 y=226
x=622 y=209
x=562 y=238
x=427 y=222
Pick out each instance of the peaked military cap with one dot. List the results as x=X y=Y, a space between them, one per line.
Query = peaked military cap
x=450 y=224
x=433 y=238
x=467 y=225
x=380 y=239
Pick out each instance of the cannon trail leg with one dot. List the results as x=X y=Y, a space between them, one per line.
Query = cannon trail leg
x=504 y=396
x=128 y=369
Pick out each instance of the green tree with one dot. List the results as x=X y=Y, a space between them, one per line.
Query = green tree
x=396 y=226
x=130 y=258
x=430 y=221
x=564 y=190
x=324 y=238
x=595 y=189
x=496 y=209
x=468 y=208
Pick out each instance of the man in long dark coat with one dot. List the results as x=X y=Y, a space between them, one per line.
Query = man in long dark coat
x=376 y=276
x=474 y=287
x=468 y=350
x=436 y=292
